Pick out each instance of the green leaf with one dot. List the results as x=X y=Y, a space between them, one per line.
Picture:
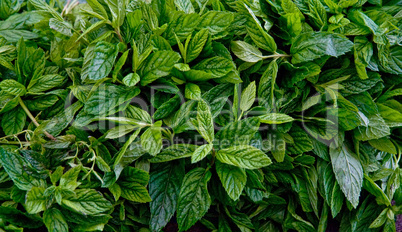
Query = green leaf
x=54 y=220
x=363 y=51
x=98 y=8
x=13 y=87
x=35 y=200
x=87 y=202
x=151 y=139
x=244 y=156
x=246 y=51
x=201 y=152
x=390 y=58
x=192 y=91
x=69 y=179
x=108 y=97
x=275 y=118
x=119 y=131
x=99 y=61
x=348 y=172
x=313 y=45
x=132 y=183
x=184 y=5
x=60 y=26
x=14 y=121
x=383 y=144
x=374 y=189
x=131 y=79
x=248 y=97
x=317 y=12
x=176 y=151
x=119 y=65
x=214 y=67
x=164 y=188
x=375 y=129
x=216 y=21
x=205 y=124
x=380 y=220
x=238 y=133
x=138 y=114
x=233 y=179
x=158 y=65
x=194 y=199
x=45 y=83
x=196 y=45
x=167 y=108
x=180 y=25
x=14 y=165
x=260 y=37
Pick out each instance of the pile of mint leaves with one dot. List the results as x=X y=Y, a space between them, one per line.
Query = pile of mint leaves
x=219 y=115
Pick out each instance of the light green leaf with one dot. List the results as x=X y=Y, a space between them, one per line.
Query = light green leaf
x=376 y=128
x=317 y=12
x=233 y=179
x=312 y=45
x=246 y=51
x=13 y=87
x=108 y=97
x=192 y=91
x=131 y=79
x=216 y=21
x=196 y=45
x=119 y=64
x=260 y=37
x=238 y=133
x=14 y=165
x=363 y=51
x=176 y=151
x=248 y=97
x=348 y=172
x=44 y=83
x=194 y=199
x=158 y=65
x=98 y=61
x=87 y=202
x=98 y=8
x=60 y=26
x=383 y=144
x=54 y=220
x=380 y=220
x=35 y=200
x=69 y=179
x=119 y=131
x=204 y=120
x=184 y=5
x=275 y=118
x=138 y=114
x=14 y=121
x=244 y=156
x=201 y=152
x=132 y=183
x=151 y=139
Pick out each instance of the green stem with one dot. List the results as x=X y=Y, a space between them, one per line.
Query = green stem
x=25 y=108
x=212 y=161
x=117 y=30
x=15 y=143
x=276 y=56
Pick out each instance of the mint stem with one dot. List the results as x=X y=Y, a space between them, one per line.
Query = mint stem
x=25 y=108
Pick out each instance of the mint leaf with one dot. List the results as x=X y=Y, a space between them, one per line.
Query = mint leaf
x=244 y=156
x=194 y=199
x=313 y=45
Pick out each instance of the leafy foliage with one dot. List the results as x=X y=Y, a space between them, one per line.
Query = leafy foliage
x=120 y=115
